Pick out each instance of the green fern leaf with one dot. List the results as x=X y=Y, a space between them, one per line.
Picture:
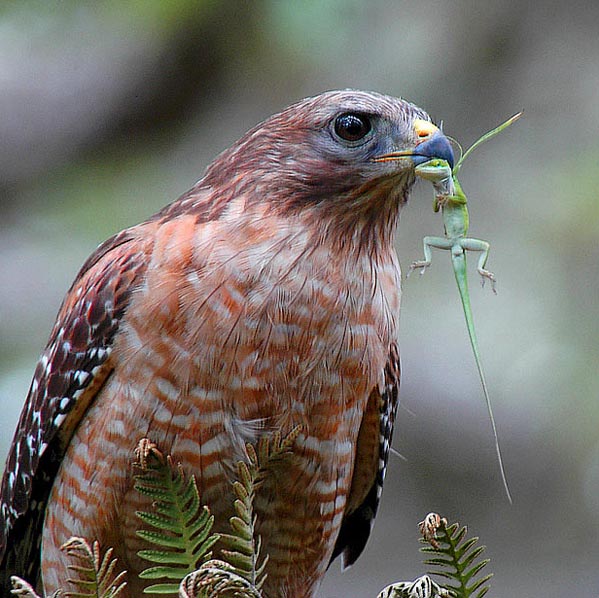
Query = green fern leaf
x=160 y=572
x=162 y=588
x=164 y=557
x=155 y=520
x=160 y=539
x=182 y=527
x=455 y=558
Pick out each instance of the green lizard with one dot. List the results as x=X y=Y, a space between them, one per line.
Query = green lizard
x=451 y=200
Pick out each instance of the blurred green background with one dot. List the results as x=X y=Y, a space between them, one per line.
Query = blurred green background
x=112 y=109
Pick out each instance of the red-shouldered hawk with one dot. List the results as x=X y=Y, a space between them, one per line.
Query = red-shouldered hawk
x=264 y=298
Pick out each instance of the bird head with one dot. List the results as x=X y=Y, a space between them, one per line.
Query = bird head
x=344 y=156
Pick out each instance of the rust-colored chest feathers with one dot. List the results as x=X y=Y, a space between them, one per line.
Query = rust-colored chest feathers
x=265 y=298
x=229 y=339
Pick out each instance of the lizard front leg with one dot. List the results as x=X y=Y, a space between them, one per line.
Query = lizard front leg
x=428 y=243
x=483 y=247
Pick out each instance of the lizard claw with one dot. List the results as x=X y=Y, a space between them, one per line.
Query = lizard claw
x=423 y=265
x=485 y=274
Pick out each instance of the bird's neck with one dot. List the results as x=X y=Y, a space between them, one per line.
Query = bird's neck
x=363 y=223
x=358 y=223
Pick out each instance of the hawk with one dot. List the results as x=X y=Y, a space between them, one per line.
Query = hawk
x=266 y=297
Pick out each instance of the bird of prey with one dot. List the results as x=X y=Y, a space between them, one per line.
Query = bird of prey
x=266 y=297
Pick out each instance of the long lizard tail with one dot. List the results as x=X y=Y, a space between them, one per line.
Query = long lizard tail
x=461 y=276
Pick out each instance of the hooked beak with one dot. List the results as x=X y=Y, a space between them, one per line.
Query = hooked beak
x=432 y=145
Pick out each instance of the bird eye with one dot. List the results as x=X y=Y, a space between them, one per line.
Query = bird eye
x=352 y=126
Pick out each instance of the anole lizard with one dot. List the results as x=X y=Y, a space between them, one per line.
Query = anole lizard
x=451 y=200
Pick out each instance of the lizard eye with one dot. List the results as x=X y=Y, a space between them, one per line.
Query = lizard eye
x=352 y=126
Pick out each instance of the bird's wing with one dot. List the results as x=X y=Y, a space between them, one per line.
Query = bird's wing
x=72 y=369
x=374 y=442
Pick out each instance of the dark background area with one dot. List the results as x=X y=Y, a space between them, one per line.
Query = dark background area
x=110 y=110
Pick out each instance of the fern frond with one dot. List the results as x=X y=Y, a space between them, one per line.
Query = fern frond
x=243 y=545
x=454 y=557
x=95 y=574
x=182 y=527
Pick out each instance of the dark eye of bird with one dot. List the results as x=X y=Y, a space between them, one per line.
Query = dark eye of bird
x=352 y=127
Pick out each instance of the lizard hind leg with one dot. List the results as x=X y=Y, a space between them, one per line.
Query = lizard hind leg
x=428 y=243
x=483 y=247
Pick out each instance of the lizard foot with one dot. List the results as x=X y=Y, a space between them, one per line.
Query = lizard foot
x=423 y=265
x=486 y=275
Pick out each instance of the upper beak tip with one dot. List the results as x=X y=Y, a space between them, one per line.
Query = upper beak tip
x=436 y=146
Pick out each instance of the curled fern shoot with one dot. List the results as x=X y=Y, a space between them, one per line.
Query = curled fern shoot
x=95 y=574
x=182 y=527
x=217 y=579
x=21 y=588
x=454 y=557
x=423 y=587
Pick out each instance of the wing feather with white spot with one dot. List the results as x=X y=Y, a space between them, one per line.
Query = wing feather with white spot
x=71 y=370
x=372 y=453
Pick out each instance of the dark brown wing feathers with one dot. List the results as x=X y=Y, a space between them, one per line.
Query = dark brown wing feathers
x=72 y=368
x=358 y=521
